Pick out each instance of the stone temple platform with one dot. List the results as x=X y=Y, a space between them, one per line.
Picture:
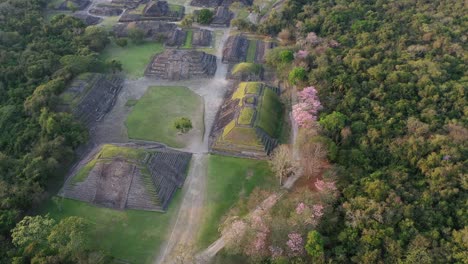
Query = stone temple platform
x=182 y=65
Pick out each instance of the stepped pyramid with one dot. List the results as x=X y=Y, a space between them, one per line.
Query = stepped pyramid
x=181 y=65
x=129 y=178
x=248 y=122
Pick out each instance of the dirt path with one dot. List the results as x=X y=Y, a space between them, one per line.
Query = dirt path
x=185 y=229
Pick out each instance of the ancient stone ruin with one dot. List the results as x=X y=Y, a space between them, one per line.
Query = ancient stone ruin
x=262 y=48
x=155 y=10
x=222 y=17
x=73 y=5
x=106 y=10
x=248 y=122
x=176 y=38
x=91 y=96
x=124 y=177
x=181 y=65
x=235 y=49
x=129 y=3
x=87 y=19
x=202 y=38
x=154 y=30
x=215 y=3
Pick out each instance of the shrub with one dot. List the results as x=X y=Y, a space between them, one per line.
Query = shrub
x=136 y=35
x=286 y=56
x=121 y=42
x=297 y=75
x=183 y=124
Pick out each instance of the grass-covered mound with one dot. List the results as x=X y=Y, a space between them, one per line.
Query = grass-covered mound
x=240 y=177
x=153 y=116
x=247 y=67
x=250 y=121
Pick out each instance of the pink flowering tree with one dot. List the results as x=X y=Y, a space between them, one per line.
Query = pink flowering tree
x=325 y=186
x=295 y=244
x=301 y=54
x=305 y=111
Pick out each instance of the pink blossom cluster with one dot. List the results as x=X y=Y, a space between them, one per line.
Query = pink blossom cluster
x=310 y=214
x=235 y=232
x=300 y=208
x=313 y=39
x=305 y=112
x=276 y=252
x=295 y=244
x=259 y=242
x=325 y=186
x=317 y=210
x=302 y=54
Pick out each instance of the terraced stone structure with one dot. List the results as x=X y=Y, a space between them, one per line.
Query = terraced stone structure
x=154 y=30
x=154 y=10
x=123 y=177
x=106 y=10
x=202 y=38
x=222 y=17
x=215 y=3
x=176 y=38
x=91 y=96
x=88 y=19
x=73 y=5
x=262 y=48
x=181 y=65
x=249 y=122
x=129 y=3
x=235 y=49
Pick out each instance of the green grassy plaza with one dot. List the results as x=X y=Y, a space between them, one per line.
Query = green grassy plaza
x=134 y=58
x=131 y=236
x=153 y=116
x=229 y=182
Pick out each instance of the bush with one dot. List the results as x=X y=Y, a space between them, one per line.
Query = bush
x=286 y=56
x=297 y=75
x=187 y=21
x=136 y=35
x=183 y=124
x=121 y=42
x=205 y=16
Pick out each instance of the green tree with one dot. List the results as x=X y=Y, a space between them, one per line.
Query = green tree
x=205 y=16
x=297 y=76
x=314 y=245
x=333 y=123
x=183 y=124
x=187 y=21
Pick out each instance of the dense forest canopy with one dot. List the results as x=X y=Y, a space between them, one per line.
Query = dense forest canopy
x=391 y=76
x=37 y=59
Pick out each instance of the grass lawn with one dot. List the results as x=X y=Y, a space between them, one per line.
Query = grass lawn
x=133 y=236
x=188 y=40
x=229 y=179
x=153 y=116
x=251 y=50
x=134 y=58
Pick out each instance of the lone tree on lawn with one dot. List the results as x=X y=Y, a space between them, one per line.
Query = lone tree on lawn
x=282 y=162
x=205 y=16
x=183 y=124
